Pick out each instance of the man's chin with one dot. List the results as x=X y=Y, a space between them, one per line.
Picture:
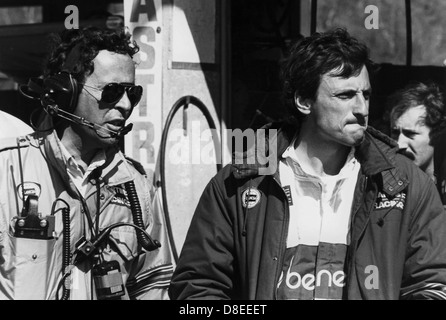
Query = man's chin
x=107 y=142
x=359 y=141
x=357 y=138
x=102 y=141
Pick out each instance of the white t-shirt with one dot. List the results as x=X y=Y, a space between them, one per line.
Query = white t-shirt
x=318 y=230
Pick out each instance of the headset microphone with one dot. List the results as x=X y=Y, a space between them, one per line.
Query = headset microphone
x=126 y=129
x=101 y=131
x=111 y=133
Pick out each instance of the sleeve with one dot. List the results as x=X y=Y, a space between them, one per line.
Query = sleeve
x=205 y=266
x=424 y=276
x=153 y=270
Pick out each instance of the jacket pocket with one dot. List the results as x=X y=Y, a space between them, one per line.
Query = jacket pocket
x=124 y=239
x=30 y=267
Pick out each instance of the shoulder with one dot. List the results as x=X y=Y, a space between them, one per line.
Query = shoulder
x=11 y=143
x=135 y=164
x=147 y=173
x=12 y=126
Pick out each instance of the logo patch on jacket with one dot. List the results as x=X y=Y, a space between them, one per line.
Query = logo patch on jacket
x=250 y=197
x=28 y=188
x=383 y=202
x=287 y=190
x=120 y=196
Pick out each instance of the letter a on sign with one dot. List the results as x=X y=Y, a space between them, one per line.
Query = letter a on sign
x=372 y=21
x=147 y=8
x=72 y=21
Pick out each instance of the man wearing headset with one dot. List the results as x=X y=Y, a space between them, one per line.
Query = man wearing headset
x=76 y=217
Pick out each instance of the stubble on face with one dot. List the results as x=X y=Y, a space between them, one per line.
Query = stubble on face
x=413 y=136
x=340 y=111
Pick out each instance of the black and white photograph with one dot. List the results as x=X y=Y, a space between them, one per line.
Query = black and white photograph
x=217 y=156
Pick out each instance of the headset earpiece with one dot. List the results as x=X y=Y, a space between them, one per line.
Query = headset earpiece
x=62 y=89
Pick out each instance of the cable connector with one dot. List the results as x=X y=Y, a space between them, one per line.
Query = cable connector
x=84 y=249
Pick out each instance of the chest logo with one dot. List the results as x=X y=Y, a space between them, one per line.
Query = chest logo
x=120 y=197
x=287 y=190
x=383 y=202
x=250 y=197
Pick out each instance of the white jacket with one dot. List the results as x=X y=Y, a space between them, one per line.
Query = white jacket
x=32 y=268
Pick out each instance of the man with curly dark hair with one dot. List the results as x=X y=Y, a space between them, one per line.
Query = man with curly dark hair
x=77 y=218
x=342 y=216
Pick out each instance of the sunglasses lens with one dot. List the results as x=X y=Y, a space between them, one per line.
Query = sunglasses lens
x=113 y=92
x=134 y=93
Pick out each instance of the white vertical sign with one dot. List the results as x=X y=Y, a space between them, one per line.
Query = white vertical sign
x=143 y=18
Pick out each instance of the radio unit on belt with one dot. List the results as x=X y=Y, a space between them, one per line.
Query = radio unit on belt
x=108 y=280
x=30 y=224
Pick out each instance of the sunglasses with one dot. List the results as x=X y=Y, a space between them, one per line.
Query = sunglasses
x=113 y=92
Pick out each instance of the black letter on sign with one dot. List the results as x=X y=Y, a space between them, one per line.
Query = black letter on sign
x=147 y=8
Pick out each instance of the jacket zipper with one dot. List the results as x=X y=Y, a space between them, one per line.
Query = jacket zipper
x=368 y=212
x=284 y=235
x=362 y=230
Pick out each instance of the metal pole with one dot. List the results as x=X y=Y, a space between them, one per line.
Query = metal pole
x=313 y=16
x=408 y=33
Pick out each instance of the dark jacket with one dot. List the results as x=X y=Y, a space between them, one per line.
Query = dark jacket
x=398 y=232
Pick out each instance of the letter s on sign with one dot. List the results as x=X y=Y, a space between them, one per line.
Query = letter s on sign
x=143 y=36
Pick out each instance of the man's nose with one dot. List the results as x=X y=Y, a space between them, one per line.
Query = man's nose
x=124 y=104
x=362 y=104
x=361 y=107
x=403 y=141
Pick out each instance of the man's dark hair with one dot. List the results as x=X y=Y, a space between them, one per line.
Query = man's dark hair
x=416 y=94
x=75 y=49
x=312 y=57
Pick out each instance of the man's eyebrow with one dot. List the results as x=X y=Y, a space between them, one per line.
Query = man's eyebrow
x=368 y=90
x=397 y=128
x=351 y=91
x=344 y=91
x=406 y=130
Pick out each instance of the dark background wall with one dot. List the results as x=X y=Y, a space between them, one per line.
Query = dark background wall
x=262 y=30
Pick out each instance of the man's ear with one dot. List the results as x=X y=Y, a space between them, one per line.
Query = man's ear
x=303 y=105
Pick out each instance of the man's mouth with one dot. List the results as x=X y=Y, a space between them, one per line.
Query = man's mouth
x=116 y=124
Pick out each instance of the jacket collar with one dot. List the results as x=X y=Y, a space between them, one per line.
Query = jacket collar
x=376 y=154
x=249 y=163
x=115 y=171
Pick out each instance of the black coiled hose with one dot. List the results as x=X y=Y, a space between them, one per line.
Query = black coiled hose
x=143 y=238
x=66 y=250
x=182 y=102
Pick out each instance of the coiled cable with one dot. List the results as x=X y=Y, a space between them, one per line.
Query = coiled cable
x=143 y=238
x=66 y=250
